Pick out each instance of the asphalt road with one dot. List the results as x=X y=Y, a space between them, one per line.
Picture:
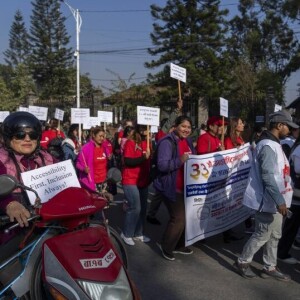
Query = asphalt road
x=206 y=274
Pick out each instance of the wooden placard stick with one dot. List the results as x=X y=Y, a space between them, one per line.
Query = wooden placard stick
x=90 y=179
x=148 y=138
x=223 y=131
x=179 y=90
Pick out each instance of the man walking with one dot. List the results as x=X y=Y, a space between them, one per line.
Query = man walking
x=269 y=193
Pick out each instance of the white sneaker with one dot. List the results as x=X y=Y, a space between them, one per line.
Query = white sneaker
x=142 y=238
x=128 y=241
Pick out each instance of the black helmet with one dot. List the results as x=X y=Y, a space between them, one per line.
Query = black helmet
x=18 y=120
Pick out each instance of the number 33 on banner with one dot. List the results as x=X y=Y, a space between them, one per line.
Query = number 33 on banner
x=198 y=170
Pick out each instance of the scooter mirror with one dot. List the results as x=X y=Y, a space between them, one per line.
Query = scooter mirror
x=8 y=183
x=114 y=175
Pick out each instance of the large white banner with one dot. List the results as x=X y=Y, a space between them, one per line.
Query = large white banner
x=214 y=187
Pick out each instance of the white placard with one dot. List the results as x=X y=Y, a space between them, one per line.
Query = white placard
x=105 y=116
x=91 y=122
x=3 y=115
x=59 y=114
x=22 y=108
x=277 y=107
x=154 y=129
x=223 y=107
x=79 y=115
x=148 y=115
x=50 y=180
x=39 y=111
x=178 y=72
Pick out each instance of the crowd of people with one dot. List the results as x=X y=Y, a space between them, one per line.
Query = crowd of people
x=25 y=146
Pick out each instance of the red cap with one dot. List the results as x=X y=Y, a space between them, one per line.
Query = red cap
x=214 y=120
x=220 y=123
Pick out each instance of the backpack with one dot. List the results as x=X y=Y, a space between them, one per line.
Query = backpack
x=55 y=148
x=287 y=150
x=154 y=172
x=116 y=151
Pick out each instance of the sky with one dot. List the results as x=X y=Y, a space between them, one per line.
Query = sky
x=109 y=25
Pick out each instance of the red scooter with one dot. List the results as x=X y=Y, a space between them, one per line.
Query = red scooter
x=66 y=254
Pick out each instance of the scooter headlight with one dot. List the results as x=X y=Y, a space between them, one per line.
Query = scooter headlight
x=120 y=289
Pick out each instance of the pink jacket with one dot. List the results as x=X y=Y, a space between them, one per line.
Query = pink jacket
x=86 y=158
x=7 y=166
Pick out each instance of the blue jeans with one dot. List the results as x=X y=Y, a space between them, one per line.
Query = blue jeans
x=135 y=214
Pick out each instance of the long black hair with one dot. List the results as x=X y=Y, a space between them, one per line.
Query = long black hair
x=182 y=119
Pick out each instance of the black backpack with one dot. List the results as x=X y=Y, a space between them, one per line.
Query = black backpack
x=55 y=148
x=287 y=150
x=116 y=161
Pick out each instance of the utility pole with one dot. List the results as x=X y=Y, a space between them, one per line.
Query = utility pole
x=78 y=20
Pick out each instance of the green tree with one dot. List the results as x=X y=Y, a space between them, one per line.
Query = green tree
x=292 y=9
x=6 y=73
x=22 y=83
x=7 y=102
x=50 y=59
x=261 y=36
x=191 y=34
x=123 y=93
x=19 y=47
x=246 y=99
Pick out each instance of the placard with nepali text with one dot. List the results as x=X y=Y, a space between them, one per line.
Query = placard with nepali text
x=59 y=114
x=79 y=115
x=39 y=111
x=223 y=107
x=23 y=108
x=177 y=72
x=148 y=115
x=105 y=116
x=91 y=122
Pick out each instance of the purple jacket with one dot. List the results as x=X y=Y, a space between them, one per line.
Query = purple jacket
x=168 y=163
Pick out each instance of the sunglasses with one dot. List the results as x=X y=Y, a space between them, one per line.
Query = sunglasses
x=33 y=135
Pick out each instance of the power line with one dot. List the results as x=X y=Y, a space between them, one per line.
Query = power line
x=116 y=11
x=116 y=80
x=136 y=10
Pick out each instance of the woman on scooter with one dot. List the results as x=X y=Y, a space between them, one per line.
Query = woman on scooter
x=92 y=160
x=135 y=181
x=20 y=152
